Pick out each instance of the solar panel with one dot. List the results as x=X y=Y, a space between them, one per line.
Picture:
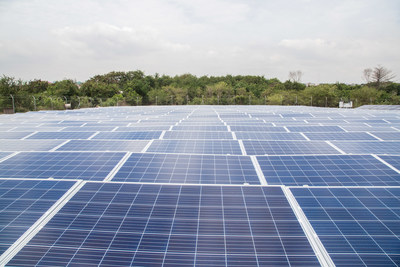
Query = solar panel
x=357 y=226
x=133 y=224
x=392 y=160
x=330 y=170
x=61 y=165
x=315 y=129
x=23 y=202
x=104 y=145
x=340 y=136
x=197 y=135
x=192 y=169
x=88 y=129
x=204 y=128
x=257 y=129
x=269 y=136
x=370 y=147
x=255 y=147
x=13 y=135
x=29 y=145
x=388 y=136
x=61 y=135
x=196 y=146
x=129 y=135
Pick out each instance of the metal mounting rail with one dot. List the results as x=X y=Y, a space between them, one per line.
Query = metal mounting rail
x=316 y=244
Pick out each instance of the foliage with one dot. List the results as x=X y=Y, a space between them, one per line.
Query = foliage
x=136 y=88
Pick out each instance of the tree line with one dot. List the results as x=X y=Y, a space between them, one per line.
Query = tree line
x=136 y=88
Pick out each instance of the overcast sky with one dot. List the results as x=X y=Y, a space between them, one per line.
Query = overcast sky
x=328 y=41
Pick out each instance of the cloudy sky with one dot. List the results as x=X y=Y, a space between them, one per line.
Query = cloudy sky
x=328 y=41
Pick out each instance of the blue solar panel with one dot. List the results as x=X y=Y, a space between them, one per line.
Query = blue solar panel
x=129 y=135
x=357 y=226
x=133 y=224
x=254 y=147
x=192 y=169
x=392 y=160
x=388 y=136
x=196 y=146
x=204 y=128
x=340 y=136
x=29 y=145
x=269 y=136
x=61 y=135
x=197 y=135
x=332 y=170
x=248 y=128
x=371 y=147
x=22 y=203
x=104 y=145
x=88 y=129
x=4 y=154
x=61 y=165
x=13 y=135
x=315 y=129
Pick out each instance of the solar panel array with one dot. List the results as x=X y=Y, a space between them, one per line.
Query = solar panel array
x=200 y=185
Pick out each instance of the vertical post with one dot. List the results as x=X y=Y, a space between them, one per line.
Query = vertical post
x=326 y=101
x=79 y=102
x=296 y=99
x=13 y=103
x=34 y=102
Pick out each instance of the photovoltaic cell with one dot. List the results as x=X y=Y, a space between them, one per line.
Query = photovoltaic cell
x=104 y=145
x=88 y=129
x=255 y=147
x=13 y=135
x=340 y=136
x=180 y=135
x=61 y=135
x=392 y=160
x=134 y=224
x=269 y=136
x=248 y=128
x=388 y=136
x=192 y=169
x=29 y=145
x=129 y=135
x=332 y=170
x=315 y=129
x=22 y=203
x=61 y=165
x=371 y=147
x=196 y=146
x=357 y=226
x=204 y=128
